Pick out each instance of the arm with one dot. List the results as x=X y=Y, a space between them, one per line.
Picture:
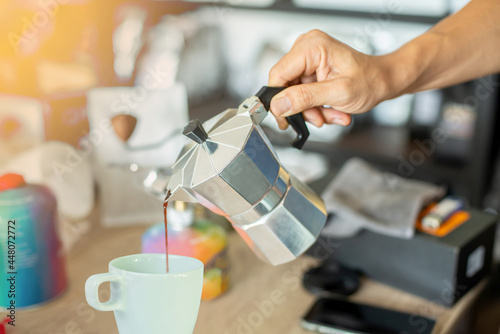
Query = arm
x=323 y=71
x=461 y=47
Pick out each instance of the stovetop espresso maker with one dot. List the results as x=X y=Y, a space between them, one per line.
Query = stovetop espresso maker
x=231 y=168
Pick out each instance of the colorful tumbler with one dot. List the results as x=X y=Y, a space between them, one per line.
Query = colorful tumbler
x=31 y=258
x=195 y=237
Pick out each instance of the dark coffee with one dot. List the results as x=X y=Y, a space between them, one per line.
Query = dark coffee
x=165 y=205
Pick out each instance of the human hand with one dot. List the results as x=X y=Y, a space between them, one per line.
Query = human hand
x=321 y=71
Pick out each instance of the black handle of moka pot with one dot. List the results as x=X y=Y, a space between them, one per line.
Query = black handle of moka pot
x=297 y=121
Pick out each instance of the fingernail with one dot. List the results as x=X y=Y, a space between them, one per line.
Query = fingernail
x=317 y=123
x=336 y=120
x=282 y=123
x=282 y=105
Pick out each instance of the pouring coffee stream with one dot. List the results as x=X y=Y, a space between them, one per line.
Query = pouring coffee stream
x=231 y=168
x=165 y=220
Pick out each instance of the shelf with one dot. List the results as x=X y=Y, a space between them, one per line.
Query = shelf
x=288 y=6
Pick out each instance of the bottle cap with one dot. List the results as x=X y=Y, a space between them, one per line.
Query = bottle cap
x=11 y=181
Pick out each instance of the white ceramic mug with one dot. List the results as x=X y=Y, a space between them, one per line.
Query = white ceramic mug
x=146 y=299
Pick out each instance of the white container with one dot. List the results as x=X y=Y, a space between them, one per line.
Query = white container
x=155 y=142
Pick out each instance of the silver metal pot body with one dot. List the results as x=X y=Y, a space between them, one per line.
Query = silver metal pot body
x=231 y=168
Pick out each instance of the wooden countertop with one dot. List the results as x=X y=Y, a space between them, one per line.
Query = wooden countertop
x=261 y=298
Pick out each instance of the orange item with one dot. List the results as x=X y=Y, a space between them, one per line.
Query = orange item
x=11 y=181
x=451 y=224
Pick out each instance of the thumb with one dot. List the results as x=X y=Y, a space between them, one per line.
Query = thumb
x=298 y=98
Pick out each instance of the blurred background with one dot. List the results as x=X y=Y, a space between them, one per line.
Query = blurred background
x=67 y=67
x=94 y=94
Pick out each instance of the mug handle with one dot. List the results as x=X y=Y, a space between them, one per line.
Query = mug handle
x=92 y=292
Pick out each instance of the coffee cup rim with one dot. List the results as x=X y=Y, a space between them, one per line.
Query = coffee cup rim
x=113 y=264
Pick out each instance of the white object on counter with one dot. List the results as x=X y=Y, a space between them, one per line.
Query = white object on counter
x=21 y=125
x=294 y=161
x=394 y=112
x=64 y=170
x=155 y=143
x=160 y=114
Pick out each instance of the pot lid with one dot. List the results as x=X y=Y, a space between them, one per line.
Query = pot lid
x=214 y=144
